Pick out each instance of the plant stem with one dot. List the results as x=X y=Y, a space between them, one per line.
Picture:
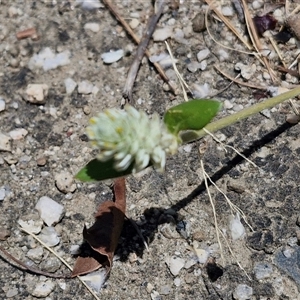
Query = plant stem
x=190 y=136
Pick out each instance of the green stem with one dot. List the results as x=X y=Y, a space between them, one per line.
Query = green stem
x=189 y=136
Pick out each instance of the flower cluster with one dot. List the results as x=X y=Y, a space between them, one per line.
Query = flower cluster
x=130 y=137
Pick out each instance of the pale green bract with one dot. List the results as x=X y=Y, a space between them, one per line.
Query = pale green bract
x=131 y=136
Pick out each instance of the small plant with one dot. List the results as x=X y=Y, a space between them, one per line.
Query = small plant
x=129 y=140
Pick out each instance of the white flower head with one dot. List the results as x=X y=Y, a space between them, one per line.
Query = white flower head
x=130 y=136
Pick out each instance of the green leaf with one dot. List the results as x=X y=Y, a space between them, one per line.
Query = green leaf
x=97 y=170
x=191 y=115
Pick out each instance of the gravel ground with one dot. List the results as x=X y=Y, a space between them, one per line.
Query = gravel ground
x=54 y=80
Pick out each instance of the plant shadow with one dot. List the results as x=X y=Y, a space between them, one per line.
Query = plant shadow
x=130 y=242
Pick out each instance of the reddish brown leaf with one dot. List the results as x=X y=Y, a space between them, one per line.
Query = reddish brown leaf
x=103 y=236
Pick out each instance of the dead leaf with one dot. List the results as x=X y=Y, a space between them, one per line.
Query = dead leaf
x=103 y=236
x=264 y=23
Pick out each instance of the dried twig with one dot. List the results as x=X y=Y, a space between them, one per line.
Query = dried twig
x=137 y=40
x=240 y=82
x=31 y=269
x=127 y=92
x=30 y=32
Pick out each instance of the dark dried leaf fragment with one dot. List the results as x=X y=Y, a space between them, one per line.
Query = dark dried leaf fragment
x=264 y=23
x=103 y=236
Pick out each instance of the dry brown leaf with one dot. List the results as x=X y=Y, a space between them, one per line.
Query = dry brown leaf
x=103 y=236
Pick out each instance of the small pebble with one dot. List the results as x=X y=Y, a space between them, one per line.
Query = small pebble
x=257 y=4
x=12 y=293
x=198 y=22
x=92 y=26
x=85 y=87
x=86 y=109
x=50 y=211
x=90 y=4
x=155 y=295
x=293 y=119
x=14 y=12
x=177 y=281
x=200 y=90
x=223 y=55
x=65 y=183
x=228 y=104
x=262 y=270
x=33 y=226
x=4 y=234
x=70 y=85
x=51 y=264
x=237 y=229
x=242 y=292
x=35 y=254
x=236 y=185
x=36 y=93
x=41 y=161
x=18 y=134
x=43 y=289
x=202 y=254
x=2 y=104
x=149 y=287
x=14 y=62
x=5 y=142
x=75 y=249
x=227 y=11
x=288 y=252
x=2 y=193
x=193 y=66
x=165 y=290
x=161 y=34
x=49 y=236
x=95 y=279
x=175 y=264
x=247 y=71
x=134 y=23
x=184 y=228
x=203 y=65
x=112 y=56
x=203 y=54
x=15 y=105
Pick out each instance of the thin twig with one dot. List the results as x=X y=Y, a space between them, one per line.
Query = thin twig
x=213 y=209
x=232 y=148
x=31 y=269
x=137 y=40
x=233 y=255
x=179 y=76
x=127 y=92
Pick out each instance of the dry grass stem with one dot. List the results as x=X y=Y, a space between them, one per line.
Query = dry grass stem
x=132 y=73
x=180 y=78
x=213 y=209
x=231 y=252
x=137 y=40
x=233 y=207
x=230 y=147
x=228 y=24
x=277 y=51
